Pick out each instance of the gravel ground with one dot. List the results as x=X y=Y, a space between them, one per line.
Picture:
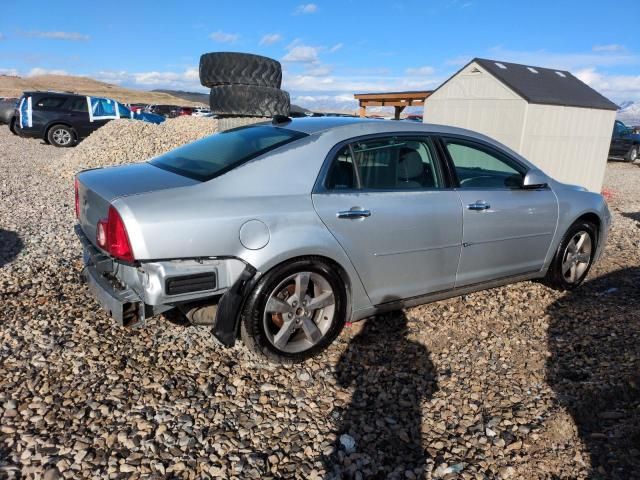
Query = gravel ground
x=516 y=382
x=127 y=141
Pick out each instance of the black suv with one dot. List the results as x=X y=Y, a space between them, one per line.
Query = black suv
x=61 y=119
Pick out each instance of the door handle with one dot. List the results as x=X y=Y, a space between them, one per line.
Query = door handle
x=354 y=214
x=479 y=205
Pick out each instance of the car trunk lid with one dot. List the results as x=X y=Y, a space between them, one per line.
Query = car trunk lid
x=98 y=188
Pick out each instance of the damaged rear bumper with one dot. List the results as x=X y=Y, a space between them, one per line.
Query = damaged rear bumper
x=132 y=293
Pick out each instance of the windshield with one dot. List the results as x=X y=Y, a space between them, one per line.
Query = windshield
x=214 y=155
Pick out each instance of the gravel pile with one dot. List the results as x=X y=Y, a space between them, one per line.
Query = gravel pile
x=517 y=382
x=127 y=141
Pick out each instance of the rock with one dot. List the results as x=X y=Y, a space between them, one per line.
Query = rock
x=348 y=443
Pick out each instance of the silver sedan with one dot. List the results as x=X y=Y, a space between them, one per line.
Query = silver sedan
x=279 y=233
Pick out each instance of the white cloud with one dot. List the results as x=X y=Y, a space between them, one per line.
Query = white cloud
x=224 y=37
x=270 y=39
x=58 y=35
x=34 y=72
x=301 y=54
x=318 y=70
x=336 y=47
x=306 y=8
x=612 y=47
x=9 y=71
x=618 y=88
x=420 y=71
x=185 y=80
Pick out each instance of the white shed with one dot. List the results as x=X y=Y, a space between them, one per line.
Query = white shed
x=548 y=116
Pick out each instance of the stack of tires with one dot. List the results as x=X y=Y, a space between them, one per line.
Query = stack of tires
x=243 y=84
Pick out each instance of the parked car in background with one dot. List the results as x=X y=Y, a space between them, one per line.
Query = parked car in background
x=369 y=220
x=137 y=107
x=184 y=111
x=200 y=111
x=7 y=107
x=63 y=119
x=164 y=110
x=625 y=143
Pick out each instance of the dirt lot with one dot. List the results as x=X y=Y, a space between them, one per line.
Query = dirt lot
x=516 y=382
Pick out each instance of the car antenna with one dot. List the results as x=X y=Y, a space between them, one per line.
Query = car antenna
x=280 y=119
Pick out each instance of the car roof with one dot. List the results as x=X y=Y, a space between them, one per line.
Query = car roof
x=345 y=128
x=52 y=94
x=364 y=126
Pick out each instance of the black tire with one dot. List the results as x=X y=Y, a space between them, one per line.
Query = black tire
x=632 y=154
x=249 y=101
x=228 y=68
x=12 y=125
x=62 y=136
x=253 y=331
x=555 y=277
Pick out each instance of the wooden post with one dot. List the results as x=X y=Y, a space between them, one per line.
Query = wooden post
x=398 y=112
x=363 y=111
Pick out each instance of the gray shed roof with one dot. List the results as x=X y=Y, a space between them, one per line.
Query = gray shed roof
x=546 y=86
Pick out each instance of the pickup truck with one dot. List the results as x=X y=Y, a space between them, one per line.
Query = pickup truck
x=624 y=143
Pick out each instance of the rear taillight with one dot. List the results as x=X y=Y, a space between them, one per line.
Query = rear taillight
x=75 y=186
x=111 y=236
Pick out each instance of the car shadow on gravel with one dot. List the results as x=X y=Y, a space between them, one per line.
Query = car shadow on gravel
x=633 y=216
x=379 y=432
x=10 y=246
x=594 y=368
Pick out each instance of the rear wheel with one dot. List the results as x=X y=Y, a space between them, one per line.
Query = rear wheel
x=61 y=136
x=633 y=153
x=295 y=311
x=574 y=257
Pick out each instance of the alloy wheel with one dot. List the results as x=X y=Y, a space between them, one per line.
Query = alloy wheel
x=576 y=257
x=62 y=136
x=299 y=312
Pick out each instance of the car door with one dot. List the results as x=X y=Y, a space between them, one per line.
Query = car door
x=386 y=202
x=77 y=111
x=507 y=230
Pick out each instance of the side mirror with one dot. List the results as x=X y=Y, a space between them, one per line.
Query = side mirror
x=534 y=179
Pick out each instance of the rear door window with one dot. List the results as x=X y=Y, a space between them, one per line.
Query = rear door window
x=78 y=104
x=388 y=163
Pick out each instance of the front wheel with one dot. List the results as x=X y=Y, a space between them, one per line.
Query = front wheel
x=295 y=311
x=574 y=256
x=633 y=153
x=61 y=136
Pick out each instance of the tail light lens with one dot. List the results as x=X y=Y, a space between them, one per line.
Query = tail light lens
x=111 y=236
x=77 y=195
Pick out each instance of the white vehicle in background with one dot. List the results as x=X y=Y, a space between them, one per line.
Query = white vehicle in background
x=200 y=112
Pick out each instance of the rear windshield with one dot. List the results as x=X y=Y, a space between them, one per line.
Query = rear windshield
x=214 y=155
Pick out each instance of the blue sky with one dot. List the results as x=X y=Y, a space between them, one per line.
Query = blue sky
x=329 y=49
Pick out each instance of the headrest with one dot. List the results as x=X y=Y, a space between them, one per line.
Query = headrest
x=410 y=165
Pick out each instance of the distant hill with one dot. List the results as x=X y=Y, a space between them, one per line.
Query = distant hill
x=188 y=96
x=204 y=98
x=13 y=86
